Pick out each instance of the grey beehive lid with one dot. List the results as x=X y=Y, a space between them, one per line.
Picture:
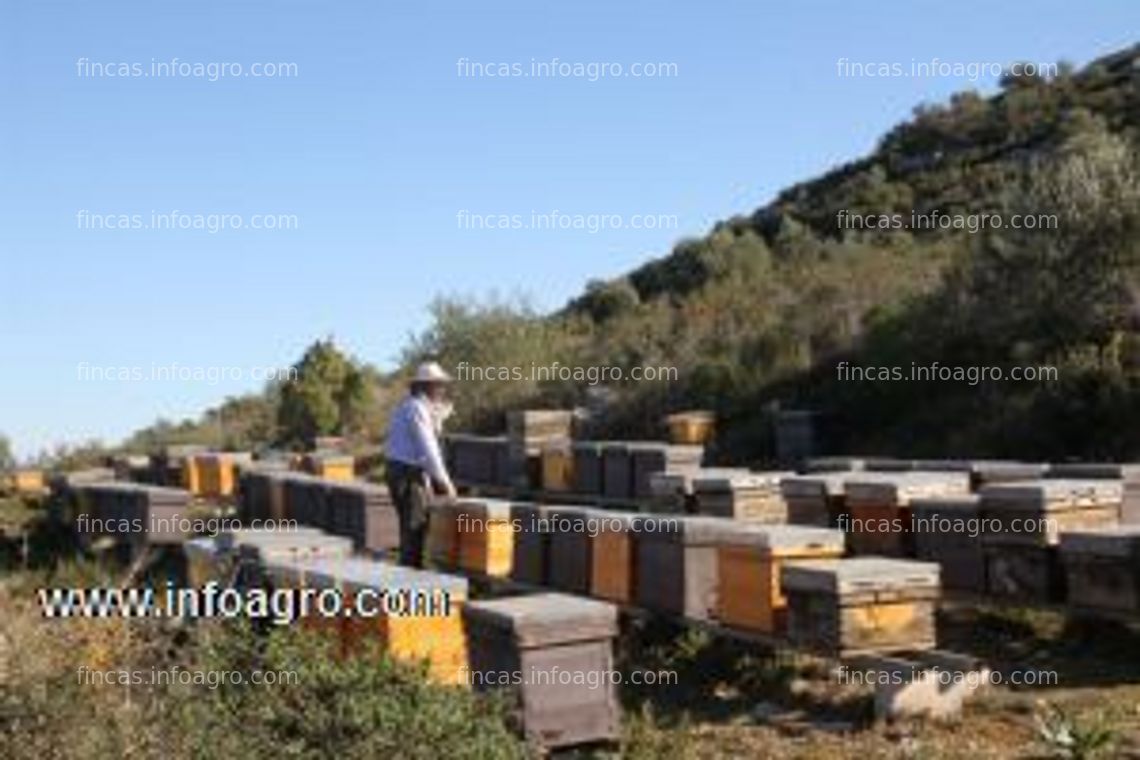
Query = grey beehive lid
x=1043 y=495
x=833 y=464
x=817 y=485
x=1094 y=470
x=902 y=487
x=1109 y=541
x=860 y=574
x=721 y=480
x=234 y=538
x=537 y=620
x=740 y=533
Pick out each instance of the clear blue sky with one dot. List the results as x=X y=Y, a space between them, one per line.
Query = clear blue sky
x=377 y=144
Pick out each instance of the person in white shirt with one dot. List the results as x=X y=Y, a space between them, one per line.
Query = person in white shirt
x=415 y=466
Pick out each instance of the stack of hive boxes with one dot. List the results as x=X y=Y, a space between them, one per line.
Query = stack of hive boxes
x=364 y=513
x=672 y=493
x=1102 y=568
x=330 y=465
x=523 y=643
x=247 y=553
x=485 y=536
x=750 y=562
x=1024 y=521
x=844 y=607
x=477 y=460
x=680 y=555
x=214 y=474
x=134 y=514
x=946 y=530
x=1127 y=474
x=170 y=464
x=528 y=431
x=817 y=499
x=649 y=457
x=879 y=506
x=418 y=614
x=742 y=495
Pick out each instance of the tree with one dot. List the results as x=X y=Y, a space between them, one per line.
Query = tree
x=7 y=460
x=325 y=395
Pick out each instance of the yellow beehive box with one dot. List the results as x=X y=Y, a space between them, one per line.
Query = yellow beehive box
x=692 y=428
x=485 y=536
x=192 y=475
x=331 y=466
x=442 y=543
x=557 y=466
x=750 y=558
x=613 y=564
x=28 y=482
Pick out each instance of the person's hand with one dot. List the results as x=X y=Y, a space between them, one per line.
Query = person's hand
x=449 y=491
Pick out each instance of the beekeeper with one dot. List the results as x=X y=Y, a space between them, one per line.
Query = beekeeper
x=416 y=469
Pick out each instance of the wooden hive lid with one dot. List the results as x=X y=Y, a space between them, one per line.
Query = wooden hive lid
x=888 y=464
x=1049 y=494
x=254 y=537
x=779 y=537
x=833 y=464
x=1108 y=541
x=1094 y=471
x=860 y=574
x=903 y=486
x=964 y=503
x=356 y=573
x=725 y=479
x=545 y=619
x=816 y=485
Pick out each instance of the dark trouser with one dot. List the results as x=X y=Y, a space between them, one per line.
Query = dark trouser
x=408 y=487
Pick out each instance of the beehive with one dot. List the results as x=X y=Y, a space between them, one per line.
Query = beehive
x=843 y=607
x=617 y=471
x=531 y=562
x=692 y=428
x=743 y=495
x=815 y=465
x=1024 y=572
x=983 y=473
x=364 y=513
x=28 y=482
x=216 y=474
x=557 y=466
x=247 y=554
x=649 y=457
x=527 y=644
x=331 y=466
x=750 y=560
x=528 y=430
x=486 y=536
x=570 y=542
x=442 y=542
x=192 y=475
x=672 y=493
x=613 y=557
x=1035 y=512
x=889 y=464
x=477 y=460
x=588 y=467
x=134 y=514
x=306 y=500
x=816 y=499
x=947 y=531
x=1102 y=568
x=879 y=507
x=679 y=554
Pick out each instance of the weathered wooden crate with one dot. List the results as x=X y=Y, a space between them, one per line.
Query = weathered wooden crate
x=649 y=457
x=613 y=557
x=365 y=513
x=750 y=560
x=679 y=554
x=617 y=470
x=570 y=544
x=1035 y=512
x=531 y=563
x=486 y=536
x=555 y=653
x=818 y=500
x=588 y=467
x=1102 y=568
x=861 y=605
x=1024 y=572
x=749 y=496
x=947 y=531
x=879 y=507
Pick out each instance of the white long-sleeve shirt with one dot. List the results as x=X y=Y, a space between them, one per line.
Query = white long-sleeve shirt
x=412 y=438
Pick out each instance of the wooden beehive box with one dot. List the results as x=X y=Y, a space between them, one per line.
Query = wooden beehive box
x=947 y=531
x=672 y=492
x=617 y=471
x=1024 y=572
x=648 y=457
x=164 y=512
x=486 y=536
x=306 y=500
x=817 y=499
x=330 y=466
x=750 y=560
x=477 y=459
x=879 y=508
x=524 y=643
x=442 y=541
x=570 y=544
x=744 y=495
x=557 y=466
x=862 y=605
x=527 y=432
x=588 y=467
x=531 y=563
x=250 y=552
x=613 y=557
x=28 y=482
x=815 y=465
x=1102 y=568
x=1036 y=512
x=679 y=554
x=983 y=472
x=691 y=428
x=889 y=464
x=365 y=513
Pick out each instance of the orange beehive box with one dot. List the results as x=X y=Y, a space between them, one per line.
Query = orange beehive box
x=690 y=428
x=613 y=564
x=192 y=475
x=442 y=543
x=750 y=559
x=330 y=466
x=485 y=536
x=557 y=466
x=28 y=482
